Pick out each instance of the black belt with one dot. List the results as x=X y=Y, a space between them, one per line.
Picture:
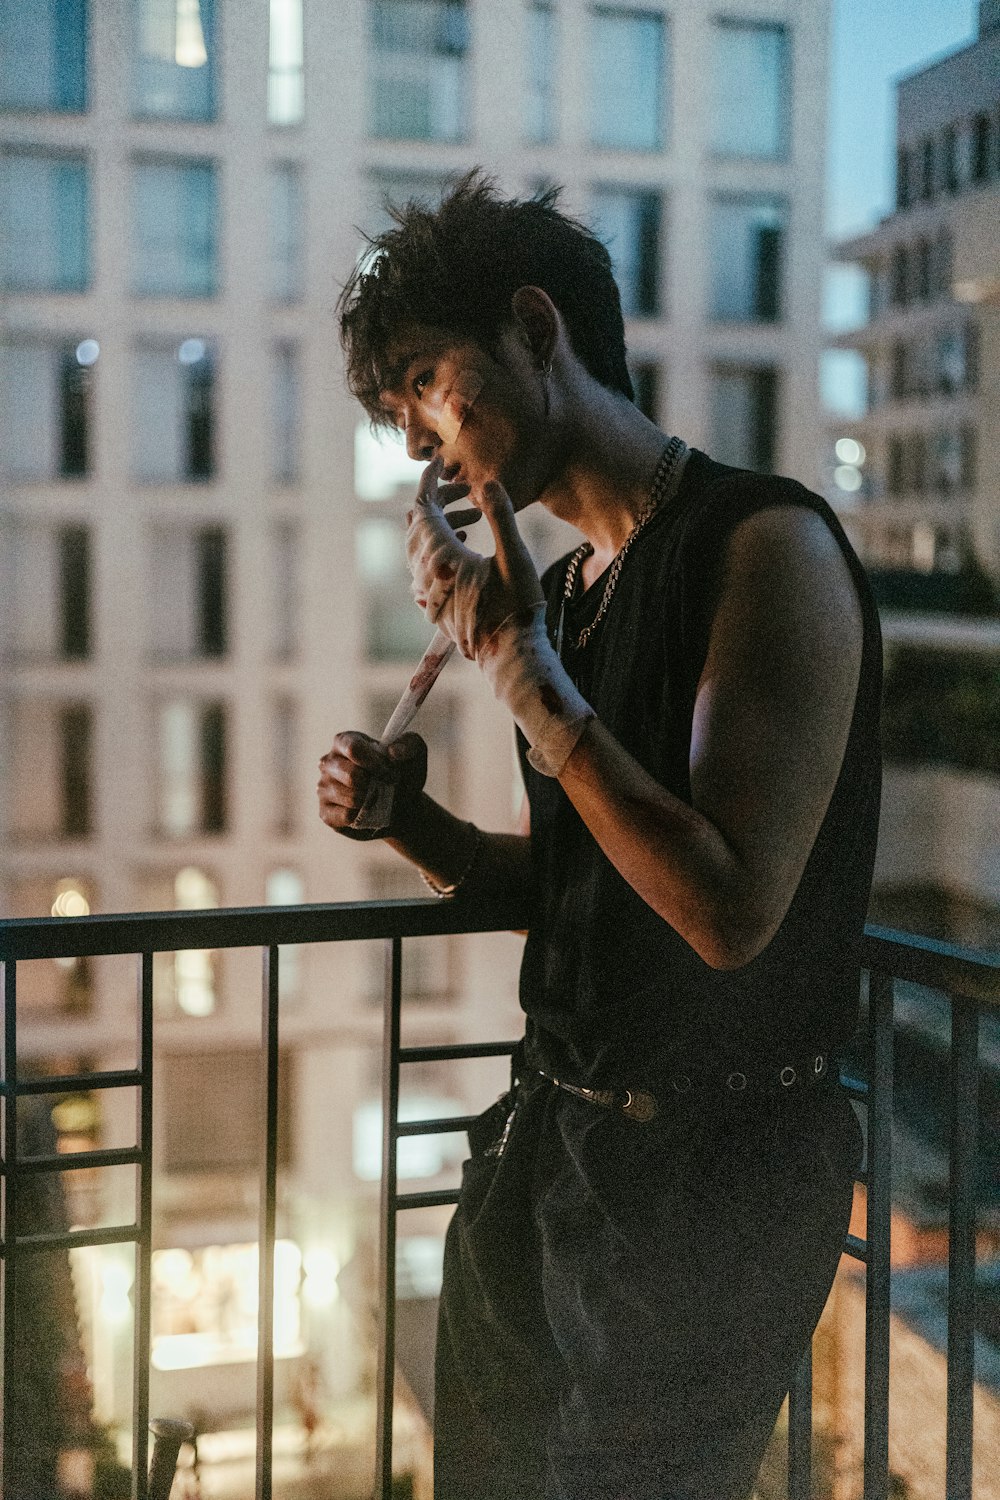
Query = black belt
x=643 y=1106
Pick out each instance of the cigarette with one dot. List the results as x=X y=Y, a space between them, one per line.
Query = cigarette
x=376 y=810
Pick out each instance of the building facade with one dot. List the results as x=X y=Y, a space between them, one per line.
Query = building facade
x=919 y=490
x=202 y=575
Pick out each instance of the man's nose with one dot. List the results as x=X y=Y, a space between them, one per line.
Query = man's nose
x=422 y=442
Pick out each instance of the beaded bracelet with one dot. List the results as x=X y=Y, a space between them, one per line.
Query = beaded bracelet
x=444 y=891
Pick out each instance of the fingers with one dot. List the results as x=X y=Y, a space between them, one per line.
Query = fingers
x=513 y=559
x=346 y=773
x=462 y=518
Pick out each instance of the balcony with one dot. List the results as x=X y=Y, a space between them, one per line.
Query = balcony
x=967 y=984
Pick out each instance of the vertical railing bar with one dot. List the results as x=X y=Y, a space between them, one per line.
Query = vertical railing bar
x=9 y=1213
x=963 y=1106
x=800 y=1431
x=268 y=1213
x=878 y=1235
x=144 y=1243
x=387 y=1220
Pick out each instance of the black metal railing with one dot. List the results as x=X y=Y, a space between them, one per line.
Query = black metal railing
x=971 y=980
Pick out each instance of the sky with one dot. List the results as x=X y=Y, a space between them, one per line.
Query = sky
x=872 y=43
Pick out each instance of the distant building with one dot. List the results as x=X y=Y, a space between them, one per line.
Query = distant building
x=917 y=485
x=201 y=566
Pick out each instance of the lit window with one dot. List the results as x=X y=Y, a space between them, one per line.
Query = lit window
x=418 y=71
x=43 y=224
x=744 y=417
x=540 y=67
x=205 y=1305
x=192 y=767
x=395 y=630
x=173 y=429
x=381 y=464
x=43 y=55
x=626 y=80
x=629 y=223
x=286 y=888
x=60 y=986
x=175 y=59
x=416 y=1155
x=175 y=229
x=746 y=241
x=286 y=232
x=751 y=92
x=285 y=413
x=45 y=413
x=286 y=71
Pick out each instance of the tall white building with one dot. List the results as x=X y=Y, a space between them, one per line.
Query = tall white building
x=202 y=563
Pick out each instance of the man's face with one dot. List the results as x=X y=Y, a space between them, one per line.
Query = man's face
x=474 y=410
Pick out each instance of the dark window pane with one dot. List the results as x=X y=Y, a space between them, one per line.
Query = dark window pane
x=895 y=466
x=75 y=746
x=903 y=185
x=923 y=270
x=629 y=224
x=949 y=151
x=927 y=169
x=213 y=768
x=74 y=389
x=744 y=417
x=212 y=592
x=746 y=241
x=900 y=276
x=982 y=135
x=43 y=55
x=199 y=387
x=74 y=591
x=897 y=386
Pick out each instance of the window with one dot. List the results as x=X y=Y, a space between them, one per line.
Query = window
x=418 y=71
x=287 y=888
x=943 y=264
x=173 y=428
x=627 y=51
x=904 y=188
x=43 y=224
x=192 y=767
x=284 y=759
x=50 y=770
x=43 y=55
x=285 y=592
x=949 y=159
x=982 y=148
x=175 y=229
x=286 y=232
x=185 y=983
x=744 y=417
x=922 y=270
x=174 y=76
x=44 y=416
x=927 y=169
x=750 y=103
x=74 y=592
x=629 y=223
x=286 y=72
x=214 y=1107
x=541 y=72
x=189 y=592
x=45 y=584
x=746 y=246
x=899 y=379
x=394 y=629
x=285 y=413
x=399 y=188
x=899 y=288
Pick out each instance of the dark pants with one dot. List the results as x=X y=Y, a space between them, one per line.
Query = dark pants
x=625 y=1305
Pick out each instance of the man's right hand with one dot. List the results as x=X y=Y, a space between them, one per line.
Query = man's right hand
x=353 y=763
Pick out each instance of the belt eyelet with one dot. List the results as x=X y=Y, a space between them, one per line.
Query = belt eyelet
x=682 y=1084
x=737 y=1082
x=788 y=1077
x=819 y=1065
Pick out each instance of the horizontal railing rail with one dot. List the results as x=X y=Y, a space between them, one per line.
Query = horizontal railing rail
x=970 y=979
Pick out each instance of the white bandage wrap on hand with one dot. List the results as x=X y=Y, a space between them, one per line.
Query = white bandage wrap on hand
x=526 y=674
x=448 y=577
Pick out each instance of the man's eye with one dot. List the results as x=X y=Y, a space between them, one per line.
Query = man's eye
x=422 y=380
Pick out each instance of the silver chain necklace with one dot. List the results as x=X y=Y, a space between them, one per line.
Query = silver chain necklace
x=665 y=471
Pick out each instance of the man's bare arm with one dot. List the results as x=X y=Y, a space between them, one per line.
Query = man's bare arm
x=771 y=721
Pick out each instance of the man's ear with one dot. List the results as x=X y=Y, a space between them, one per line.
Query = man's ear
x=537 y=320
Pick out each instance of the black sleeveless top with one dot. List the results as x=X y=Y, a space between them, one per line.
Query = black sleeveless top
x=612 y=993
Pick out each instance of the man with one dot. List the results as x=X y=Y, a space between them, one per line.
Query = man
x=650 y=1223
